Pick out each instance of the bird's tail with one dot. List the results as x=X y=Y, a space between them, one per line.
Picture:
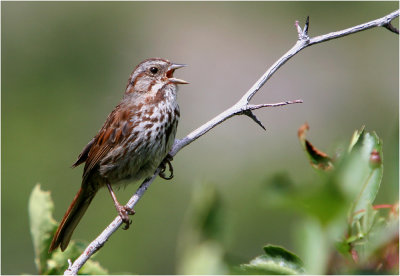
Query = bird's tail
x=71 y=218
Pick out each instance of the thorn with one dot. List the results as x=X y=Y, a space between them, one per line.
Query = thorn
x=298 y=28
x=391 y=28
x=254 y=118
x=305 y=32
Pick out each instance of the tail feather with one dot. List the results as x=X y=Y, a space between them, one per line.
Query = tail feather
x=71 y=219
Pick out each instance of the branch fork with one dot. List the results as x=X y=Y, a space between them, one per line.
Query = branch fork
x=242 y=107
x=303 y=33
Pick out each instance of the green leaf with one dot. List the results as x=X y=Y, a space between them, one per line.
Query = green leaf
x=276 y=260
x=279 y=252
x=383 y=234
x=376 y=242
x=362 y=170
x=356 y=137
x=313 y=243
x=207 y=213
x=42 y=225
x=204 y=258
x=200 y=249
x=344 y=247
x=320 y=198
x=369 y=219
x=351 y=239
x=59 y=260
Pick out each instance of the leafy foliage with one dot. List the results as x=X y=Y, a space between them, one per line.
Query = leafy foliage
x=276 y=260
x=341 y=230
x=203 y=233
x=345 y=187
x=203 y=237
x=43 y=226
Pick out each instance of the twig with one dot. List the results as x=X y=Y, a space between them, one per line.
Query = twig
x=377 y=207
x=242 y=107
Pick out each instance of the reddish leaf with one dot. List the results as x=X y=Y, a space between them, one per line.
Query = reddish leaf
x=318 y=159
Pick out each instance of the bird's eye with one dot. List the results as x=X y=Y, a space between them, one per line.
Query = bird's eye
x=154 y=70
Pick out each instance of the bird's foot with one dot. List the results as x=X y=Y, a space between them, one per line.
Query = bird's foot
x=124 y=212
x=167 y=160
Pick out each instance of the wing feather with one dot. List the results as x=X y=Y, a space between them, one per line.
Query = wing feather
x=114 y=132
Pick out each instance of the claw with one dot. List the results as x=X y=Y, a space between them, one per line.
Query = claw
x=127 y=224
x=167 y=160
x=124 y=212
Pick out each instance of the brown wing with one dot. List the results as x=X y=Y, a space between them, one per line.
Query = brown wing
x=84 y=154
x=114 y=131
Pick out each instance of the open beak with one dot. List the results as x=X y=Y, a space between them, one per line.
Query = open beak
x=170 y=73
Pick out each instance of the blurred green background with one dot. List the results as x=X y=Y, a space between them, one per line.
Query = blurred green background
x=65 y=66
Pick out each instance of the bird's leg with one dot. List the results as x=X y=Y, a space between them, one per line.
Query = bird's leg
x=123 y=211
x=167 y=160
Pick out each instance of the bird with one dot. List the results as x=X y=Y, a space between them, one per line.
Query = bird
x=134 y=141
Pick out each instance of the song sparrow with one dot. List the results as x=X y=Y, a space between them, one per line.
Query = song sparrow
x=133 y=142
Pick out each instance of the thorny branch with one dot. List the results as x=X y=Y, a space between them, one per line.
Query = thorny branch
x=242 y=107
